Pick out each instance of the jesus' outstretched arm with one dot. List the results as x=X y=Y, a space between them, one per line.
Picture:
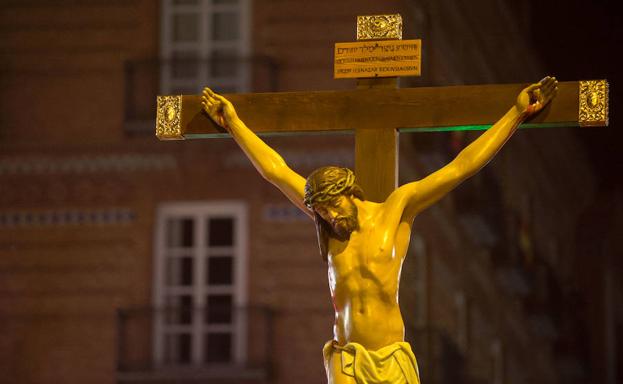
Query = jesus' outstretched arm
x=420 y=194
x=269 y=163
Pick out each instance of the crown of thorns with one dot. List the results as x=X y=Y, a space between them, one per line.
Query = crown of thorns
x=329 y=190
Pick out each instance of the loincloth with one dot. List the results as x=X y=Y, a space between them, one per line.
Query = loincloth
x=392 y=364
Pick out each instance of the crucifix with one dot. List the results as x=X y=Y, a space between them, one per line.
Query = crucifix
x=377 y=111
x=364 y=226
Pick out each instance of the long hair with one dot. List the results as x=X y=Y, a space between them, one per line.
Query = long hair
x=323 y=186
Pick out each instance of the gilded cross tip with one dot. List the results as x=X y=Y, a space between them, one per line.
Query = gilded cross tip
x=379 y=27
x=169 y=118
x=593 y=103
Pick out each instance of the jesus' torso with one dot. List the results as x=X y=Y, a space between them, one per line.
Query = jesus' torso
x=364 y=273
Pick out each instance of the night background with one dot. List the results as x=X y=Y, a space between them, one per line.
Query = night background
x=124 y=259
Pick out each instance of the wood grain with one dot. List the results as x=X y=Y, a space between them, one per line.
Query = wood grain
x=441 y=107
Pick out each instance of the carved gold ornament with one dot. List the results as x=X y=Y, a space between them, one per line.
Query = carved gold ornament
x=593 y=103
x=168 y=118
x=379 y=27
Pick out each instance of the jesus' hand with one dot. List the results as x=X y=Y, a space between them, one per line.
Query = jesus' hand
x=536 y=96
x=218 y=108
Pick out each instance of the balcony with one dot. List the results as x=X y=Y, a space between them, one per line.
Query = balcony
x=145 y=79
x=182 y=345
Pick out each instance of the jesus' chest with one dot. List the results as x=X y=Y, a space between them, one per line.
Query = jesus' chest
x=367 y=249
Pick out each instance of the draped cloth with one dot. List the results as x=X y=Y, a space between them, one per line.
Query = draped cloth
x=392 y=364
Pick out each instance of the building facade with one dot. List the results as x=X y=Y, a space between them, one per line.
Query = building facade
x=125 y=259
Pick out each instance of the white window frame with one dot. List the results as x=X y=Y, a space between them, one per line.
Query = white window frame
x=200 y=211
x=497 y=361
x=462 y=320
x=203 y=47
x=419 y=250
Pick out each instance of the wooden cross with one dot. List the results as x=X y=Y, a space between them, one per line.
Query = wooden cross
x=377 y=111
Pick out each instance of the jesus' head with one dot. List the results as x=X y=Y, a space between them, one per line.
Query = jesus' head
x=329 y=193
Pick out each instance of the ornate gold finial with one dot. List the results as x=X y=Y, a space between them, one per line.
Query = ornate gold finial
x=593 y=103
x=379 y=27
x=168 y=118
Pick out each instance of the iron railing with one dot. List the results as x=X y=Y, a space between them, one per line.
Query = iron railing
x=139 y=360
x=439 y=357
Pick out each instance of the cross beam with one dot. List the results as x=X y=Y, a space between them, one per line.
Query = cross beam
x=373 y=113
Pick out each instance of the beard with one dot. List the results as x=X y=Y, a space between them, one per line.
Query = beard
x=344 y=225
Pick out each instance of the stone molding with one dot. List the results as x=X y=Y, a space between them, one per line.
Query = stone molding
x=82 y=164
x=67 y=217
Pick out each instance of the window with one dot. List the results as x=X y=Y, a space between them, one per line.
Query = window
x=418 y=247
x=200 y=283
x=462 y=320
x=497 y=362
x=204 y=42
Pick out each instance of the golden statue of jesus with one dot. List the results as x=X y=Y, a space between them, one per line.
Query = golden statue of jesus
x=365 y=242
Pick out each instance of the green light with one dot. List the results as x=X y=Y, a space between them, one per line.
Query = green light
x=484 y=127
x=480 y=127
